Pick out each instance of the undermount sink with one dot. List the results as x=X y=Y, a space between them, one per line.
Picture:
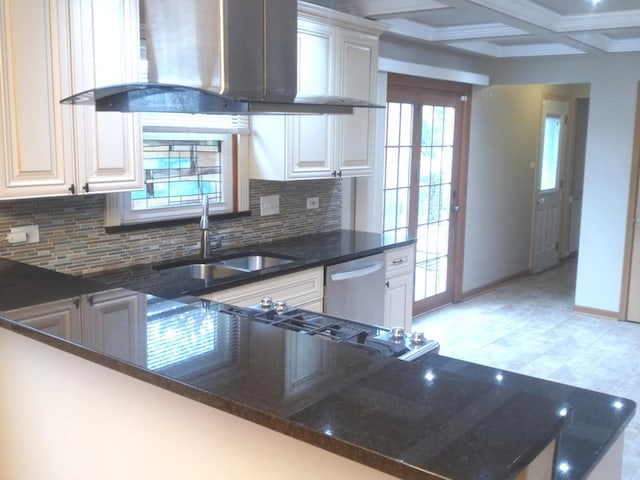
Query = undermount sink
x=251 y=263
x=204 y=271
x=226 y=267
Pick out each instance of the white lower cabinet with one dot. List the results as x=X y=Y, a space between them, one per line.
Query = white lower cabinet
x=400 y=266
x=60 y=318
x=112 y=322
x=301 y=289
x=304 y=356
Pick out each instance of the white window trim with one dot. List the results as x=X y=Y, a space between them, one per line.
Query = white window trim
x=117 y=211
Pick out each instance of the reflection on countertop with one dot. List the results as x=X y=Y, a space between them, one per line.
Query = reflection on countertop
x=437 y=416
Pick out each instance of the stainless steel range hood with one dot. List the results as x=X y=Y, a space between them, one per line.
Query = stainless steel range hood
x=218 y=57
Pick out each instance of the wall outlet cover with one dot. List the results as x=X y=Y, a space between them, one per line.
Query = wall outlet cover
x=24 y=235
x=269 y=205
x=313 y=202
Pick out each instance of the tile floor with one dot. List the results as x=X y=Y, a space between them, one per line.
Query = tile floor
x=529 y=326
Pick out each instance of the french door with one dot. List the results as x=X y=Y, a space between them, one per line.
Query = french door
x=425 y=180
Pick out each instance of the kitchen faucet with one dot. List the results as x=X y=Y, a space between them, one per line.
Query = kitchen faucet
x=204 y=228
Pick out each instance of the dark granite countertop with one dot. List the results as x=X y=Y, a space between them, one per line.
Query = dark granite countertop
x=307 y=251
x=435 y=418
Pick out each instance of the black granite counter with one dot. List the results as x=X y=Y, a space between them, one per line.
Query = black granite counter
x=306 y=251
x=436 y=418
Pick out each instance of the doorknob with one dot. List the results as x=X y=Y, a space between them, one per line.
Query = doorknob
x=540 y=201
x=457 y=208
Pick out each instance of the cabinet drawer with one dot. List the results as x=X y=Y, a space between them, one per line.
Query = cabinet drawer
x=400 y=260
x=295 y=288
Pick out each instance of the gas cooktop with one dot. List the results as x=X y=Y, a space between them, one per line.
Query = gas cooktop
x=390 y=342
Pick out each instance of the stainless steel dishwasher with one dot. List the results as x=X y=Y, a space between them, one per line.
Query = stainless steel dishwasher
x=355 y=289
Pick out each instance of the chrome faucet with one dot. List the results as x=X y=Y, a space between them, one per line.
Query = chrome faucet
x=204 y=228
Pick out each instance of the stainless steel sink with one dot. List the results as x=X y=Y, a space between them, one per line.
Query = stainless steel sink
x=251 y=263
x=226 y=267
x=204 y=271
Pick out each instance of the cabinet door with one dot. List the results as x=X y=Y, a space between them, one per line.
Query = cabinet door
x=399 y=268
x=297 y=289
x=399 y=301
x=312 y=143
x=289 y=147
x=305 y=362
x=114 y=322
x=106 y=46
x=36 y=132
x=358 y=68
x=60 y=318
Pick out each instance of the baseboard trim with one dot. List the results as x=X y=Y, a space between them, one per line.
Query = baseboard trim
x=490 y=286
x=596 y=312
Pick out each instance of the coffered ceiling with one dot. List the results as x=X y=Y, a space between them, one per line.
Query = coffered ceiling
x=508 y=28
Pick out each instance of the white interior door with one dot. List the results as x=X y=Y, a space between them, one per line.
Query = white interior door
x=546 y=216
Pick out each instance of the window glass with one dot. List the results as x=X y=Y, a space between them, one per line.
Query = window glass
x=550 y=153
x=180 y=172
x=180 y=168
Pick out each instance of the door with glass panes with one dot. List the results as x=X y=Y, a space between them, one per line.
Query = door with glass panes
x=425 y=180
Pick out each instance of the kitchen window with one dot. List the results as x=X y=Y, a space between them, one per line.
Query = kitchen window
x=185 y=157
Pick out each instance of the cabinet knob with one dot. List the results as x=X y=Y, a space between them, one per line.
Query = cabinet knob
x=386 y=283
x=340 y=173
x=72 y=189
x=85 y=187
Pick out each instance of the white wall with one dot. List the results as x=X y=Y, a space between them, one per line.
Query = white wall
x=65 y=418
x=614 y=82
x=503 y=143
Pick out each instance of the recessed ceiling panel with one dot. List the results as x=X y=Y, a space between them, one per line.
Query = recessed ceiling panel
x=622 y=33
x=580 y=7
x=519 y=41
x=449 y=17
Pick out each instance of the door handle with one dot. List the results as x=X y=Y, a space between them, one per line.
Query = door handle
x=457 y=209
x=360 y=272
x=540 y=201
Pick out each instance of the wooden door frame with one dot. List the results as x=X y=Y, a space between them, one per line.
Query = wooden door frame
x=632 y=214
x=462 y=90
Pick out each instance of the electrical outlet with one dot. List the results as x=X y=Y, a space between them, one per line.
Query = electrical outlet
x=24 y=235
x=313 y=202
x=270 y=205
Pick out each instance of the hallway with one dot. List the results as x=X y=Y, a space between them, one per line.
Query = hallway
x=528 y=326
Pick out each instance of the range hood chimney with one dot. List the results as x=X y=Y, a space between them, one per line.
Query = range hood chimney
x=218 y=57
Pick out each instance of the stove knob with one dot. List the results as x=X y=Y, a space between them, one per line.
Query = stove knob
x=280 y=305
x=266 y=302
x=397 y=332
x=417 y=337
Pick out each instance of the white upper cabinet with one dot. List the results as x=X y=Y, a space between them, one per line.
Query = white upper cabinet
x=50 y=49
x=359 y=66
x=337 y=55
x=36 y=132
x=105 y=51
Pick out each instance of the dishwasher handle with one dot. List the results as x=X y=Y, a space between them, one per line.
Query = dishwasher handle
x=358 y=272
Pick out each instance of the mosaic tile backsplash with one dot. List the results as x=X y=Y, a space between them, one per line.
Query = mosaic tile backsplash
x=73 y=239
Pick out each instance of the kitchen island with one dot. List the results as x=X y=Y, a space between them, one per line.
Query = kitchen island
x=437 y=418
